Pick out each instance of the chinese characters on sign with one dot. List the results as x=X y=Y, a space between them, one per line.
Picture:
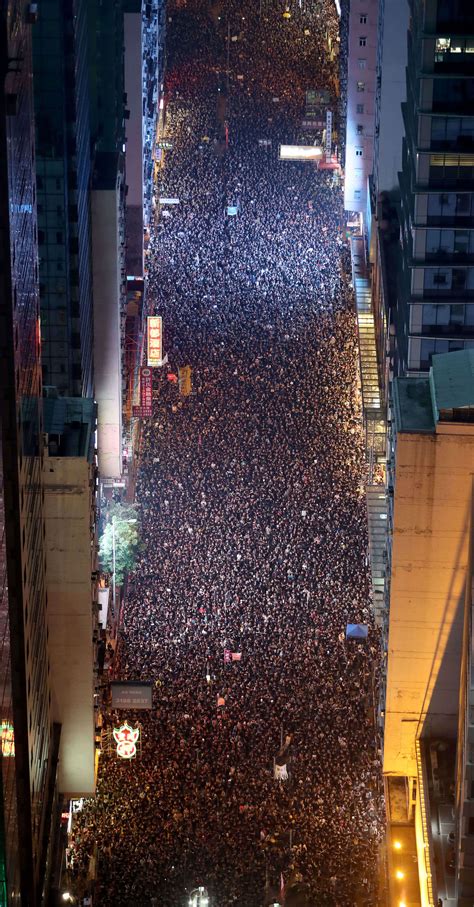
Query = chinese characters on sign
x=146 y=391
x=155 y=340
x=126 y=738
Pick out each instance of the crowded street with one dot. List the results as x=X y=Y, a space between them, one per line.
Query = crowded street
x=250 y=493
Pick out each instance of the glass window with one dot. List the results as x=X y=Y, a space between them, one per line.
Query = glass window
x=457 y=315
x=362 y=41
x=463 y=204
x=361 y=86
x=360 y=129
x=432 y=241
x=461 y=242
x=360 y=108
x=361 y=62
x=459 y=277
x=442 y=314
x=363 y=19
x=358 y=152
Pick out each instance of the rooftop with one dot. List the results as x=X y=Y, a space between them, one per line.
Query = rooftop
x=452 y=380
x=446 y=394
x=70 y=424
x=412 y=405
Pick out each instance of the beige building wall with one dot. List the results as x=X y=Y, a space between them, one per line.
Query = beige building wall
x=69 y=547
x=430 y=555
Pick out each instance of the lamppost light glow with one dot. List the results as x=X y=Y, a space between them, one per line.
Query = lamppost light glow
x=399 y=874
x=397 y=845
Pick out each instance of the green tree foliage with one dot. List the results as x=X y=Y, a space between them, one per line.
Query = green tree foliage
x=127 y=540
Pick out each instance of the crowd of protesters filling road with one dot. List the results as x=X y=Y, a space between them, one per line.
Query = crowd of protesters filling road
x=250 y=489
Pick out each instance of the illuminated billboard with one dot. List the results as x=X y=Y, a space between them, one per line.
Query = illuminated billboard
x=300 y=153
x=154 y=340
x=126 y=738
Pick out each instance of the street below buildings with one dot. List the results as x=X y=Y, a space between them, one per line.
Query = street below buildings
x=253 y=523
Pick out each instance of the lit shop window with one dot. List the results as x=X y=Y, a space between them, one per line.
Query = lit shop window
x=8 y=739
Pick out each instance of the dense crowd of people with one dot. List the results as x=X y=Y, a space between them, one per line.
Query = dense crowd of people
x=252 y=507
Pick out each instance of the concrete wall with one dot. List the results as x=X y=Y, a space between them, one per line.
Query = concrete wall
x=430 y=555
x=105 y=207
x=69 y=553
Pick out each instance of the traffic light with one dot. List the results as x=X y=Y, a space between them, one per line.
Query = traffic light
x=185 y=382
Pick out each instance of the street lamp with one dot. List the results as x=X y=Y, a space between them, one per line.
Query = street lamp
x=114 y=522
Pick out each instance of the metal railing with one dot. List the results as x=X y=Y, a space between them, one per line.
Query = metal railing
x=424 y=823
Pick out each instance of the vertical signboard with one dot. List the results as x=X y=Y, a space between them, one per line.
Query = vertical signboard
x=154 y=341
x=146 y=391
x=328 y=135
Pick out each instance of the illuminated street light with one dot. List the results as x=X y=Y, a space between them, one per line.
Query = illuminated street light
x=397 y=845
x=399 y=874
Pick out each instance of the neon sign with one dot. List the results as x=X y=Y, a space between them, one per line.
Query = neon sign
x=155 y=340
x=126 y=738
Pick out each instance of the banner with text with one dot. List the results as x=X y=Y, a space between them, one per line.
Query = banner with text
x=154 y=340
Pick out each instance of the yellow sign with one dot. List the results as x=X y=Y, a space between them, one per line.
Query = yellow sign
x=185 y=382
x=155 y=340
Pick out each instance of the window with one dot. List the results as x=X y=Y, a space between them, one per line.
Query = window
x=363 y=41
x=361 y=86
x=358 y=152
x=360 y=108
x=356 y=194
x=361 y=63
x=362 y=19
x=360 y=129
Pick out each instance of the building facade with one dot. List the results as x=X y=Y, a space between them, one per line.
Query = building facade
x=361 y=87
x=63 y=166
x=436 y=289
x=70 y=498
x=429 y=565
x=30 y=740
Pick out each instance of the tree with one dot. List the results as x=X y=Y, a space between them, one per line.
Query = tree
x=127 y=540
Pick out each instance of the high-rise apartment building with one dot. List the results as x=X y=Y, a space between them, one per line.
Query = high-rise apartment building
x=63 y=166
x=29 y=739
x=435 y=309
x=361 y=85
